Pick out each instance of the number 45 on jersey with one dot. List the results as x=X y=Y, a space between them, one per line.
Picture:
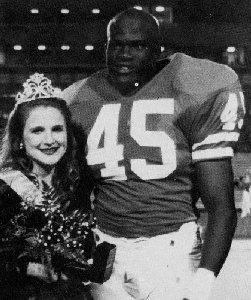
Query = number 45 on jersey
x=107 y=124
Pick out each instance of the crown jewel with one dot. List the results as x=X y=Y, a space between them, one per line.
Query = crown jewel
x=37 y=86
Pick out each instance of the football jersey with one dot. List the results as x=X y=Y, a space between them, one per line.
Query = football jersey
x=142 y=149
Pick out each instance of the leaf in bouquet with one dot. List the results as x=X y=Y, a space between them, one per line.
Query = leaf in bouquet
x=48 y=192
x=69 y=254
x=46 y=187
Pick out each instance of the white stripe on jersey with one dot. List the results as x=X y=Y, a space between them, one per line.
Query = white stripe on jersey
x=217 y=138
x=212 y=153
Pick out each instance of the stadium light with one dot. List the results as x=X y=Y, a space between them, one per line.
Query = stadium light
x=231 y=49
x=34 y=11
x=17 y=47
x=89 y=47
x=159 y=8
x=95 y=10
x=65 y=11
x=41 y=47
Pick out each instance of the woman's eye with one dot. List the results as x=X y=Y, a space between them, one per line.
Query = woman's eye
x=37 y=130
x=58 y=128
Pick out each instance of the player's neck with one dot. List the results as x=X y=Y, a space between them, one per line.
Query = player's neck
x=128 y=89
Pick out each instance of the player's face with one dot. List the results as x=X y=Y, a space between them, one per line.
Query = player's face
x=45 y=137
x=130 y=54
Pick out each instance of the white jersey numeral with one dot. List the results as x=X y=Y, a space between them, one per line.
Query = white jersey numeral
x=106 y=128
x=229 y=115
x=111 y=153
x=152 y=139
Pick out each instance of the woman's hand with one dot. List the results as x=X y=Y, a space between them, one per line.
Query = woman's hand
x=42 y=272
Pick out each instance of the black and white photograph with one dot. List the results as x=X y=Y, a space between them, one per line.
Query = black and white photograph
x=125 y=150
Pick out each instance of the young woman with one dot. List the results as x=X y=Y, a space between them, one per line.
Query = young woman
x=44 y=231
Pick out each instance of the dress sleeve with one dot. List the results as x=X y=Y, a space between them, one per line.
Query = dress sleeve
x=10 y=202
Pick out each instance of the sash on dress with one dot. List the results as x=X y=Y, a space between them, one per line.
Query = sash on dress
x=24 y=187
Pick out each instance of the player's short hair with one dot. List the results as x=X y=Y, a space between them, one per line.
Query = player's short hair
x=149 y=19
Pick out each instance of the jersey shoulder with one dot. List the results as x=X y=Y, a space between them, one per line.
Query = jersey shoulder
x=86 y=87
x=196 y=76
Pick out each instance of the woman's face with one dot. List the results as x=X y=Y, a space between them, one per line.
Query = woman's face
x=45 y=137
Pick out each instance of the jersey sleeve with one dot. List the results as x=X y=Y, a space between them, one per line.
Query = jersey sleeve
x=213 y=121
x=216 y=125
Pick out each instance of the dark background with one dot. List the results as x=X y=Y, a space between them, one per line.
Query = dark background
x=200 y=28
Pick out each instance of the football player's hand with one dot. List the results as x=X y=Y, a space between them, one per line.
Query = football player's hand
x=201 y=285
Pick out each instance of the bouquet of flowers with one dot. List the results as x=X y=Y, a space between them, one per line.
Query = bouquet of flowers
x=46 y=239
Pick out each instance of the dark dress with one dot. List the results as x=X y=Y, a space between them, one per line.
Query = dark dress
x=15 y=284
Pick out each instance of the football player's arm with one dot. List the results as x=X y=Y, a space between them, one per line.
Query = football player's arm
x=216 y=129
x=216 y=186
x=215 y=183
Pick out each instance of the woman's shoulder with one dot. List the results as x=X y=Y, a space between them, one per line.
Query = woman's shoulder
x=8 y=174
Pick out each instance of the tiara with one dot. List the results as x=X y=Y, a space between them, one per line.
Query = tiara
x=36 y=87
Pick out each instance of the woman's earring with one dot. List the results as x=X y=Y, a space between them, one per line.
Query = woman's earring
x=21 y=146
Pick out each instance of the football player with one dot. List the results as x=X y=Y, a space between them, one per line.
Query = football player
x=155 y=135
